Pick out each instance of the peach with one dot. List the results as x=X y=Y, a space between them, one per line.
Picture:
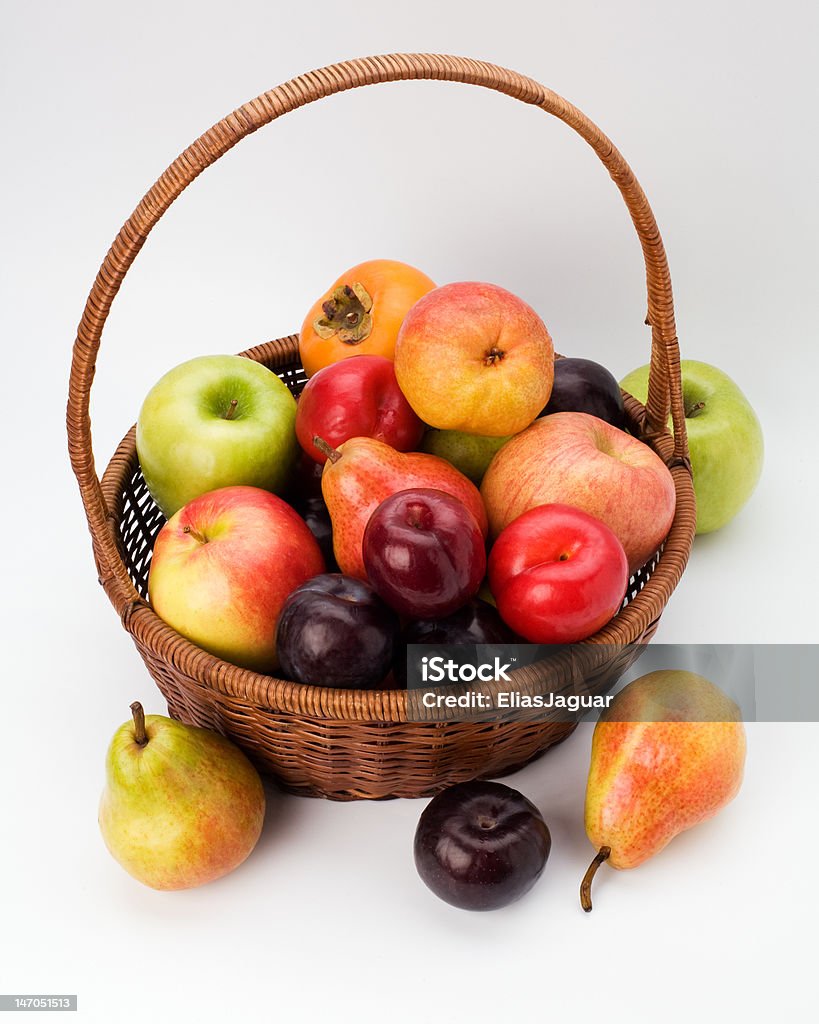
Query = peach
x=474 y=357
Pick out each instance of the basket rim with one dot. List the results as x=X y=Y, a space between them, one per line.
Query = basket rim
x=270 y=693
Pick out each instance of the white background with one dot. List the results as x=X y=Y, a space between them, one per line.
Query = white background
x=710 y=102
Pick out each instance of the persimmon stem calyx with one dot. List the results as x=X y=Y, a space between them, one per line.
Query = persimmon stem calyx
x=347 y=315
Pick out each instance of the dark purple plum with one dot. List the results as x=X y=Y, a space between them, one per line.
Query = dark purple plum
x=476 y=623
x=314 y=512
x=424 y=553
x=306 y=480
x=581 y=385
x=336 y=631
x=304 y=494
x=481 y=845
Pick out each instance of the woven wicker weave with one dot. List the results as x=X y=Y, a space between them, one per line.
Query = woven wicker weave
x=348 y=744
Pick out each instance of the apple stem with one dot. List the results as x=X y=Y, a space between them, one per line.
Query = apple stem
x=140 y=735
x=326 y=449
x=603 y=854
x=692 y=411
x=195 y=534
x=234 y=402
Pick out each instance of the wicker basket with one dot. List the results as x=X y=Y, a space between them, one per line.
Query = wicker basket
x=348 y=744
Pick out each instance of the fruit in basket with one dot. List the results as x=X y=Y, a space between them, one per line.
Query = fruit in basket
x=182 y=806
x=474 y=357
x=481 y=845
x=336 y=631
x=667 y=754
x=317 y=518
x=558 y=574
x=576 y=459
x=356 y=397
x=305 y=481
x=361 y=313
x=582 y=385
x=362 y=472
x=304 y=494
x=468 y=453
x=222 y=568
x=215 y=421
x=724 y=439
x=424 y=553
x=476 y=623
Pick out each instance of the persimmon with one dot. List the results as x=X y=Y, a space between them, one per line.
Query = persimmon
x=361 y=313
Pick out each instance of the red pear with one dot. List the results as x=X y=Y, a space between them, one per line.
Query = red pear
x=362 y=472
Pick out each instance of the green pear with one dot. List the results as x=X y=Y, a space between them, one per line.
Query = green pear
x=724 y=440
x=468 y=453
x=182 y=806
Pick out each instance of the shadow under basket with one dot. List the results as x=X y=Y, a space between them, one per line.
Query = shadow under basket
x=352 y=744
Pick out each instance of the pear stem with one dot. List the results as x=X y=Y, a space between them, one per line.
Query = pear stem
x=234 y=402
x=603 y=854
x=140 y=735
x=196 y=536
x=326 y=449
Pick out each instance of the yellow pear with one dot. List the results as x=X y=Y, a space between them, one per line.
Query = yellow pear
x=182 y=806
x=668 y=753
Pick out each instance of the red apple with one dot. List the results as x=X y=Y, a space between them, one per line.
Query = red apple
x=424 y=553
x=222 y=568
x=577 y=459
x=356 y=397
x=557 y=574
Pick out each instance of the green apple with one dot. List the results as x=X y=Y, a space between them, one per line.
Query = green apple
x=724 y=439
x=181 y=806
x=468 y=453
x=215 y=421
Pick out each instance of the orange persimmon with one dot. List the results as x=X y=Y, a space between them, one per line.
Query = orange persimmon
x=361 y=314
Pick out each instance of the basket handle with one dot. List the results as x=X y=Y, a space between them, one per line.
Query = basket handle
x=665 y=388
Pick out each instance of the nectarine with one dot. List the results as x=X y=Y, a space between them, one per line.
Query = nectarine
x=474 y=357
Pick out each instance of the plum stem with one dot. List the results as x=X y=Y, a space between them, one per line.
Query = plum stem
x=234 y=402
x=603 y=854
x=195 y=534
x=326 y=449
x=140 y=735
